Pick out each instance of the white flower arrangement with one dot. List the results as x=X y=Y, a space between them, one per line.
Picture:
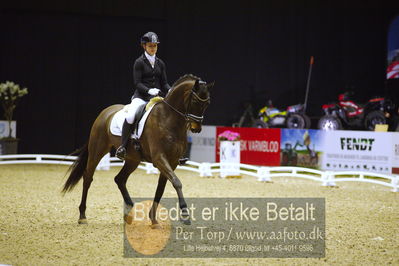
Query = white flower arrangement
x=10 y=92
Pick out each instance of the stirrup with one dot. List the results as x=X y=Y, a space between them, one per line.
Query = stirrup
x=121 y=153
x=136 y=144
x=182 y=161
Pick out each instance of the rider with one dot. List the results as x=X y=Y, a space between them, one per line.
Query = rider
x=149 y=77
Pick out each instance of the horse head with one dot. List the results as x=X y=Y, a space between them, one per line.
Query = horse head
x=196 y=98
x=198 y=101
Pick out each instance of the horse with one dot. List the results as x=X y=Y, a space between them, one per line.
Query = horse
x=162 y=142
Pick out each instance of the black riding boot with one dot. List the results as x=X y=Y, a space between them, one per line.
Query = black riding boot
x=126 y=132
x=136 y=142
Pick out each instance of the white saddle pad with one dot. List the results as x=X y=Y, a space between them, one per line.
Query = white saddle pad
x=119 y=118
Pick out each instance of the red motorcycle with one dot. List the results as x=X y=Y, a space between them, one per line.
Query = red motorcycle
x=348 y=114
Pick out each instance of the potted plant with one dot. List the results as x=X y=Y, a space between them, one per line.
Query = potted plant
x=9 y=96
x=229 y=135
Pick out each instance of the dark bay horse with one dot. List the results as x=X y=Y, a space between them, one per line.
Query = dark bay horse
x=163 y=142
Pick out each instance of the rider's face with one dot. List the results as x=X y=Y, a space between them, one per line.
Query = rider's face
x=151 y=48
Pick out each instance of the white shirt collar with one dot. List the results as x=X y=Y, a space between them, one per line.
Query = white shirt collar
x=150 y=58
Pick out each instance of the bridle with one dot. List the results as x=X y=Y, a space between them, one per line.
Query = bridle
x=187 y=115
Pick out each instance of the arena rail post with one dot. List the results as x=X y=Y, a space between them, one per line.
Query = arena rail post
x=395 y=184
x=328 y=179
x=105 y=163
x=264 y=174
x=205 y=169
x=150 y=169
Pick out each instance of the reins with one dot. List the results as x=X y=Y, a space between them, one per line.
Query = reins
x=187 y=116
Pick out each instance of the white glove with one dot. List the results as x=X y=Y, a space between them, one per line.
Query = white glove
x=153 y=91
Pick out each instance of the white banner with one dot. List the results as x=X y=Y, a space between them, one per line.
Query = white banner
x=229 y=158
x=203 y=145
x=358 y=150
x=395 y=152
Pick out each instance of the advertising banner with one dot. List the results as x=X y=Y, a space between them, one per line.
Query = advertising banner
x=357 y=150
x=259 y=146
x=302 y=147
x=395 y=152
x=203 y=145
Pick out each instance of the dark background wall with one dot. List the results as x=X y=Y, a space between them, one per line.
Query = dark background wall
x=76 y=57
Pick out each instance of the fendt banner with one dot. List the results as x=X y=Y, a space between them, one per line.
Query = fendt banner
x=358 y=150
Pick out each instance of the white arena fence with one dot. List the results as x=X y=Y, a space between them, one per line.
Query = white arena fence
x=262 y=173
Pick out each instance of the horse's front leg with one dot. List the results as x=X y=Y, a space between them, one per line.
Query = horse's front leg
x=166 y=170
x=121 y=180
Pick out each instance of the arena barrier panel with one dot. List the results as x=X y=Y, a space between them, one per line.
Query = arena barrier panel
x=262 y=173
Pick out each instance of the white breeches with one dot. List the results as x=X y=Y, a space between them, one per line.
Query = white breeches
x=131 y=111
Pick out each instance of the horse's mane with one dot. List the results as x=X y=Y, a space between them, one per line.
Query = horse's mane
x=184 y=78
x=179 y=81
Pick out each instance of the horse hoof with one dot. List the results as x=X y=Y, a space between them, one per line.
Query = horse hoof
x=82 y=221
x=128 y=219
x=156 y=226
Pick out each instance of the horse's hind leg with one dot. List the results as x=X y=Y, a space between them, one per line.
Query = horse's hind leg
x=96 y=152
x=158 y=195
x=87 y=179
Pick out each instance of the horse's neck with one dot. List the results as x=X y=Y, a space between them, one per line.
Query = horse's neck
x=176 y=124
x=177 y=96
x=176 y=99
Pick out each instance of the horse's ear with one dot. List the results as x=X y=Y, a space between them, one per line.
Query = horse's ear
x=210 y=85
x=196 y=85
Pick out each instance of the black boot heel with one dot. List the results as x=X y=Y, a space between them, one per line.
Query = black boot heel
x=126 y=132
x=182 y=161
x=136 y=144
x=121 y=153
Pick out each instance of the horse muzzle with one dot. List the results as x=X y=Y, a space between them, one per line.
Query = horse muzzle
x=195 y=127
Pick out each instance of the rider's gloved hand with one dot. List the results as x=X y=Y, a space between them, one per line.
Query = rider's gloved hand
x=153 y=91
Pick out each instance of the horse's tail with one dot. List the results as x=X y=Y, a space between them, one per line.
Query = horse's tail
x=77 y=169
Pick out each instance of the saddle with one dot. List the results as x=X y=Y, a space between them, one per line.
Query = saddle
x=141 y=117
x=141 y=110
